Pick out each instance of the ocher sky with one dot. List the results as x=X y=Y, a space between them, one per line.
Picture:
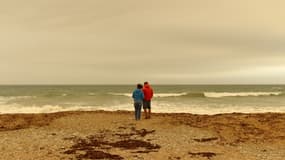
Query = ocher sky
x=129 y=41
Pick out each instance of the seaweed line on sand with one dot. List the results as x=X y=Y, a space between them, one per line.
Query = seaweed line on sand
x=98 y=147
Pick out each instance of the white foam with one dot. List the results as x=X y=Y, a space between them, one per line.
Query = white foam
x=209 y=94
x=16 y=97
x=240 y=94
x=4 y=100
x=277 y=88
x=155 y=95
x=157 y=107
x=41 y=109
x=170 y=94
x=121 y=94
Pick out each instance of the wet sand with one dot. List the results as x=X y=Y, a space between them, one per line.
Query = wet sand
x=116 y=135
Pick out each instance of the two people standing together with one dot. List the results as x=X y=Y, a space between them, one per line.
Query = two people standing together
x=142 y=96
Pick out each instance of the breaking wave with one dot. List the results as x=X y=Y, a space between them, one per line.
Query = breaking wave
x=15 y=108
x=240 y=94
x=157 y=108
x=208 y=94
x=159 y=95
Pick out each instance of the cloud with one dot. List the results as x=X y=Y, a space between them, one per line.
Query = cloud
x=124 y=41
x=235 y=40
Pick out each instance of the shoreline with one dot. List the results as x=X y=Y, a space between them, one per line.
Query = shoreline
x=116 y=135
x=34 y=119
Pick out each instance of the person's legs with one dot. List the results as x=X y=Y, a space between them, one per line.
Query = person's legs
x=135 y=106
x=138 y=107
x=145 y=113
x=139 y=111
x=149 y=109
x=145 y=109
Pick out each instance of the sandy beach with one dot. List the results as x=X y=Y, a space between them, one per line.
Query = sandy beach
x=116 y=135
x=74 y=72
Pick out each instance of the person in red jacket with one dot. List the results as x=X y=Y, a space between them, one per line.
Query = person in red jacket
x=148 y=94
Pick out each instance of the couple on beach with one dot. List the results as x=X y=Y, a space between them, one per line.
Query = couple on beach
x=142 y=96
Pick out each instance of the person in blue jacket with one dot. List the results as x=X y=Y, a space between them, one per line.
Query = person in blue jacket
x=138 y=97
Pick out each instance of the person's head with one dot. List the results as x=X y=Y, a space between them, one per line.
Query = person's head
x=145 y=83
x=139 y=86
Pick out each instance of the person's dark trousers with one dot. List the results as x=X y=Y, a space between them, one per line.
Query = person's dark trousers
x=138 y=107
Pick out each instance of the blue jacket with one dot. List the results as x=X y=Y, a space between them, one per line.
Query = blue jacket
x=138 y=95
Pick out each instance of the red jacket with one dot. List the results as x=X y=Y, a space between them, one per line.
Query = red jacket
x=148 y=92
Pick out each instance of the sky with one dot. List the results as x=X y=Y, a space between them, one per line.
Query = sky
x=128 y=41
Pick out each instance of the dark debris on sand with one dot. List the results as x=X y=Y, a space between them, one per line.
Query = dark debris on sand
x=97 y=146
x=206 y=139
x=135 y=132
x=9 y=122
x=93 y=154
x=208 y=155
x=134 y=144
x=238 y=128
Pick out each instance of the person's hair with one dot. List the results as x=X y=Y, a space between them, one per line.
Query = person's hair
x=139 y=86
x=145 y=83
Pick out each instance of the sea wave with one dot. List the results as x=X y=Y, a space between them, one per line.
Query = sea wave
x=170 y=94
x=277 y=88
x=5 y=99
x=208 y=94
x=158 y=107
x=16 y=108
x=240 y=94
x=121 y=94
x=158 y=95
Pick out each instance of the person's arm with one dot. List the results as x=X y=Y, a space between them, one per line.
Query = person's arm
x=142 y=94
x=151 y=93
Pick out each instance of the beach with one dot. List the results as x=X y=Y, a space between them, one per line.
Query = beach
x=116 y=135
x=210 y=73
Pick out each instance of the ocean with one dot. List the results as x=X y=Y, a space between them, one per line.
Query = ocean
x=196 y=99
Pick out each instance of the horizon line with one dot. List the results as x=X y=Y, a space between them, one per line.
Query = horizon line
x=110 y=84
